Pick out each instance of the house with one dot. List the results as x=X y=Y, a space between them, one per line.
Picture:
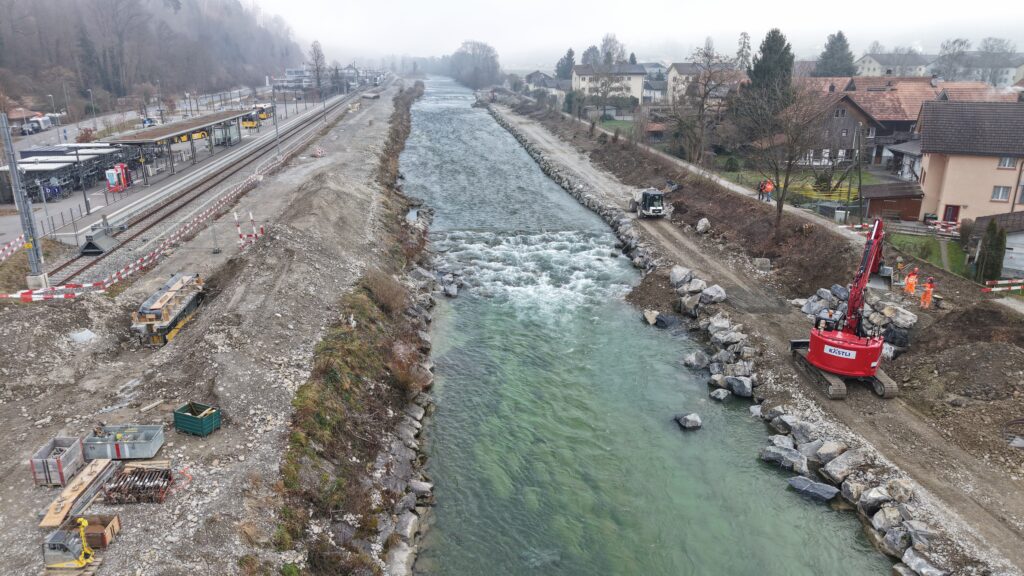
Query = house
x=655 y=70
x=623 y=80
x=965 y=92
x=678 y=77
x=1013 y=224
x=536 y=79
x=906 y=160
x=553 y=86
x=655 y=91
x=890 y=64
x=973 y=157
x=824 y=84
x=295 y=79
x=892 y=200
x=840 y=138
x=999 y=70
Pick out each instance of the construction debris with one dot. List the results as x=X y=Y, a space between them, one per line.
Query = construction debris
x=79 y=493
x=124 y=442
x=139 y=485
x=57 y=462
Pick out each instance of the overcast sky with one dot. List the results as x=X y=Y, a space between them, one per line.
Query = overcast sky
x=534 y=33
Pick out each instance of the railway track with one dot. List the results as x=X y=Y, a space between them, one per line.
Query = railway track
x=139 y=225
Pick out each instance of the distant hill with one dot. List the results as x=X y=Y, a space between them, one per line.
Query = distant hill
x=122 y=48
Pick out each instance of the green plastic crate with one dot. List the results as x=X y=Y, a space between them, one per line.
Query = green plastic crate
x=187 y=420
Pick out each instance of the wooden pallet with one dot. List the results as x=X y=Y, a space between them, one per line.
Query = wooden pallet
x=88 y=570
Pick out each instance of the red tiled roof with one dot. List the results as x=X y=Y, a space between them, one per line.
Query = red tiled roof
x=822 y=83
x=972 y=94
x=884 y=106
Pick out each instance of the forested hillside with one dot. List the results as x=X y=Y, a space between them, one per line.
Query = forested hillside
x=122 y=48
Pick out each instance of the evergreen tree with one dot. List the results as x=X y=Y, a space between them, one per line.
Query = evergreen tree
x=632 y=58
x=563 y=70
x=743 y=53
x=591 y=56
x=771 y=72
x=989 y=265
x=836 y=59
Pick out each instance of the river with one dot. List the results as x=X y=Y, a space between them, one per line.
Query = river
x=553 y=449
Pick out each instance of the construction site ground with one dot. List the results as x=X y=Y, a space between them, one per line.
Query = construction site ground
x=247 y=350
x=960 y=380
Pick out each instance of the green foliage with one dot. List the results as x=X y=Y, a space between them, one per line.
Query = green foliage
x=836 y=59
x=563 y=69
x=732 y=164
x=773 y=64
x=290 y=570
x=632 y=58
x=591 y=56
x=990 y=257
x=966 y=230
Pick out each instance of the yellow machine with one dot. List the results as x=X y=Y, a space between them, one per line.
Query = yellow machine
x=59 y=550
x=166 y=311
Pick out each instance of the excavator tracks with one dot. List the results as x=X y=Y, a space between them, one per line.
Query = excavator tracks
x=834 y=386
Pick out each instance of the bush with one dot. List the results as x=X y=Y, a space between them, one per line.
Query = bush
x=732 y=164
x=387 y=292
x=966 y=229
x=290 y=570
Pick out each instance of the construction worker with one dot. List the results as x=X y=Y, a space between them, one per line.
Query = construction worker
x=910 y=287
x=926 y=296
x=897 y=274
x=769 y=187
x=760 y=190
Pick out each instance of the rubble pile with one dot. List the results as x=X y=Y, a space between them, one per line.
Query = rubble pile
x=880 y=315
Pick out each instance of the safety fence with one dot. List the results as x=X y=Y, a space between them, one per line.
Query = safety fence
x=1008 y=285
x=7 y=250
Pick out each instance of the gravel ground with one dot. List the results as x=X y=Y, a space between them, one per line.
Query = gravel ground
x=247 y=351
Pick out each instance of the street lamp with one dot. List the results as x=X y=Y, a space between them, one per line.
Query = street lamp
x=53 y=107
x=92 y=104
x=159 y=102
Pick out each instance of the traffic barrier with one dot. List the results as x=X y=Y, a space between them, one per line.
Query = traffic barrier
x=1003 y=288
x=1004 y=282
x=11 y=247
x=244 y=240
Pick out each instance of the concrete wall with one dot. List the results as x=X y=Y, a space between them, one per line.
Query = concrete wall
x=966 y=181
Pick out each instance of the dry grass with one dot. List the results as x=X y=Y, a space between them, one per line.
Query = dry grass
x=387 y=292
x=15 y=268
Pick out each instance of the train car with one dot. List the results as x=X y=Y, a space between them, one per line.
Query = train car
x=168 y=309
x=264 y=111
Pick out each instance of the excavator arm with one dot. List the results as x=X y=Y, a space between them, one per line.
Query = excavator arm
x=870 y=263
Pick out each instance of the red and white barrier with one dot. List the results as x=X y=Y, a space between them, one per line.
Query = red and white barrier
x=11 y=247
x=1004 y=282
x=245 y=239
x=1003 y=288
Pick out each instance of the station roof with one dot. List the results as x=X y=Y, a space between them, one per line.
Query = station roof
x=61 y=158
x=38 y=167
x=161 y=133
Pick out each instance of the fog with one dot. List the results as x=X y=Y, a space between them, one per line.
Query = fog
x=534 y=33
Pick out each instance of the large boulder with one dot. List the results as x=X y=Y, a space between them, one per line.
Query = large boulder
x=812 y=307
x=690 y=305
x=782 y=441
x=712 y=295
x=718 y=323
x=901 y=317
x=829 y=450
x=901 y=490
x=720 y=394
x=696 y=359
x=783 y=423
x=919 y=533
x=650 y=316
x=920 y=565
x=886 y=518
x=679 y=276
x=788 y=458
x=816 y=490
x=824 y=294
x=896 y=542
x=694 y=286
x=810 y=449
x=689 y=421
x=803 y=431
x=740 y=386
x=717 y=380
x=852 y=489
x=842 y=466
x=841 y=292
x=872 y=500
x=728 y=338
x=703 y=226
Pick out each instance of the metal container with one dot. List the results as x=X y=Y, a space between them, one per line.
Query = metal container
x=126 y=442
x=101 y=529
x=57 y=462
x=197 y=419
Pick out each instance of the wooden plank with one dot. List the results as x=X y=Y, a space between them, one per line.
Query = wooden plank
x=148 y=464
x=61 y=506
x=151 y=406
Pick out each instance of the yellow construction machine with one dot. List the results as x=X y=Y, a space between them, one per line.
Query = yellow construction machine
x=65 y=549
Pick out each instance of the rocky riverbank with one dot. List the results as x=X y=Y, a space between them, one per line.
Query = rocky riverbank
x=832 y=464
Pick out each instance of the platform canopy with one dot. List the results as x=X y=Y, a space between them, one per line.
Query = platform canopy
x=171 y=131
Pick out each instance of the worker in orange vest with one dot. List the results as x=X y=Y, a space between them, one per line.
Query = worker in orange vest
x=769 y=187
x=910 y=287
x=926 y=296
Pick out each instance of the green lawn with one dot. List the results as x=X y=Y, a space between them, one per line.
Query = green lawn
x=624 y=126
x=801 y=182
x=927 y=248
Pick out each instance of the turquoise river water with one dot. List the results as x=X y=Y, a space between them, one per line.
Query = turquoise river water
x=553 y=449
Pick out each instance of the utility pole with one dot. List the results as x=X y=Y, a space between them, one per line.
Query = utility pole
x=277 y=133
x=37 y=278
x=53 y=108
x=159 y=101
x=78 y=171
x=860 y=163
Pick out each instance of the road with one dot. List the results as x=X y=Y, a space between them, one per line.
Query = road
x=976 y=492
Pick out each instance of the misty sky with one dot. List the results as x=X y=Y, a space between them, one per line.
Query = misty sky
x=534 y=33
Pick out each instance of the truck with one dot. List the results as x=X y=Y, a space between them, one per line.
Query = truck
x=40 y=123
x=648 y=202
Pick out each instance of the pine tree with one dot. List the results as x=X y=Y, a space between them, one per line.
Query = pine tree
x=591 y=56
x=632 y=58
x=563 y=70
x=743 y=53
x=771 y=72
x=989 y=265
x=836 y=59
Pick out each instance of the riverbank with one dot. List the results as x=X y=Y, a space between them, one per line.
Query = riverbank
x=770 y=320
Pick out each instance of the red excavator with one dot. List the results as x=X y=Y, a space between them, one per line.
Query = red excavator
x=839 y=348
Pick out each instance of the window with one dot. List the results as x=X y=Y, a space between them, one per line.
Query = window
x=1007 y=162
x=1001 y=194
x=844 y=133
x=840 y=112
x=871 y=132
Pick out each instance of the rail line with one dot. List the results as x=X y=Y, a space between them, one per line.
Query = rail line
x=139 y=224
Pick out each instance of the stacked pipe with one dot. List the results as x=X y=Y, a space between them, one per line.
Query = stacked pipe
x=140 y=485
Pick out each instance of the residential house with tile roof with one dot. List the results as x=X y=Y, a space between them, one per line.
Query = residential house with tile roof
x=972 y=158
x=625 y=79
x=892 y=64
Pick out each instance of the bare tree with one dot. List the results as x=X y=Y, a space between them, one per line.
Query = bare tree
x=952 y=63
x=318 y=64
x=695 y=113
x=875 y=47
x=905 y=60
x=994 y=56
x=782 y=128
x=612 y=51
